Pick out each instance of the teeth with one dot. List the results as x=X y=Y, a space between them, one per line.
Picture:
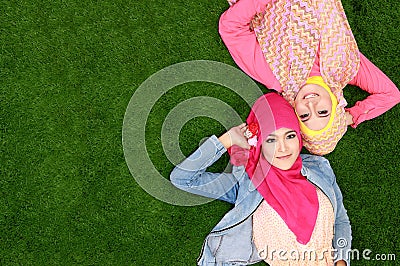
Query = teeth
x=312 y=95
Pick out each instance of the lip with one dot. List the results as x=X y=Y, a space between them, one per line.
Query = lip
x=285 y=157
x=310 y=95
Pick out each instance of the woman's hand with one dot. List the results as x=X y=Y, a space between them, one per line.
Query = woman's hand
x=235 y=136
x=349 y=118
x=341 y=263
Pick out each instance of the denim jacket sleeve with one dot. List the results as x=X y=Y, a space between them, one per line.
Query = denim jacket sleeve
x=191 y=175
x=342 y=237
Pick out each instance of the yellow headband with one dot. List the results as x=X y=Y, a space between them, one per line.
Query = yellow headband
x=319 y=81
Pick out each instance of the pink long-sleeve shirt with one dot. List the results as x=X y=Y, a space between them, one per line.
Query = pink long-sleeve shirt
x=245 y=50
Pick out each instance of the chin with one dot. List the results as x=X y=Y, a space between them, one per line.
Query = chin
x=284 y=167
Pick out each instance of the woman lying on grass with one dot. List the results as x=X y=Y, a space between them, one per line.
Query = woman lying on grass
x=288 y=208
x=306 y=51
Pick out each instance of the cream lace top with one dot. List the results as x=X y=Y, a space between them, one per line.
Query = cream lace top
x=277 y=244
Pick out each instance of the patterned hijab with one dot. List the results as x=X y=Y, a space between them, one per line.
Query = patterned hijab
x=290 y=34
x=288 y=192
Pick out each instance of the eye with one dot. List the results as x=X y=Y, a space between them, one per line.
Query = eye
x=291 y=136
x=270 y=140
x=323 y=112
x=304 y=116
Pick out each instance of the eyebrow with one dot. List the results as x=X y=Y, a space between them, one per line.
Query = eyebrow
x=290 y=131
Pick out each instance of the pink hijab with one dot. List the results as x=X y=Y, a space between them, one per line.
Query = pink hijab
x=287 y=191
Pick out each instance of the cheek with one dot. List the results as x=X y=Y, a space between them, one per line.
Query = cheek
x=295 y=146
x=268 y=152
x=326 y=103
x=300 y=109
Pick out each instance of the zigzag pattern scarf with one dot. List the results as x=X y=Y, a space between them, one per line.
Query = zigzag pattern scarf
x=290 y=33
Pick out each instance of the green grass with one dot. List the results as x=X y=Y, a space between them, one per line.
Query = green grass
x=67 y=72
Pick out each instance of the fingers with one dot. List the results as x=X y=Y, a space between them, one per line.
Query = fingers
x=243 y=143
x=242 y=126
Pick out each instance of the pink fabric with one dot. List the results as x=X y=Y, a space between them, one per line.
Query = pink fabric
x=245 y=50
x=287 y=191
x=383 y=92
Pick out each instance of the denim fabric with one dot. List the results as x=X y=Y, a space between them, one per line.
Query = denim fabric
x=230 y=241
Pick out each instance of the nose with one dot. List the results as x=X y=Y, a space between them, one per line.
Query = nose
x=282 y=145
x=311 y=105
x=311 y=102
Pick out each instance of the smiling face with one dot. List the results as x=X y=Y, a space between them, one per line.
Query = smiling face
x=313 y=105
x=281 y=148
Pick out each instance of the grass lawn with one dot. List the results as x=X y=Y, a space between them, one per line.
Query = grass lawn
x=68 y=70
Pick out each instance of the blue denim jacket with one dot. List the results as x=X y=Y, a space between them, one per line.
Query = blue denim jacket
x=230 y=242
